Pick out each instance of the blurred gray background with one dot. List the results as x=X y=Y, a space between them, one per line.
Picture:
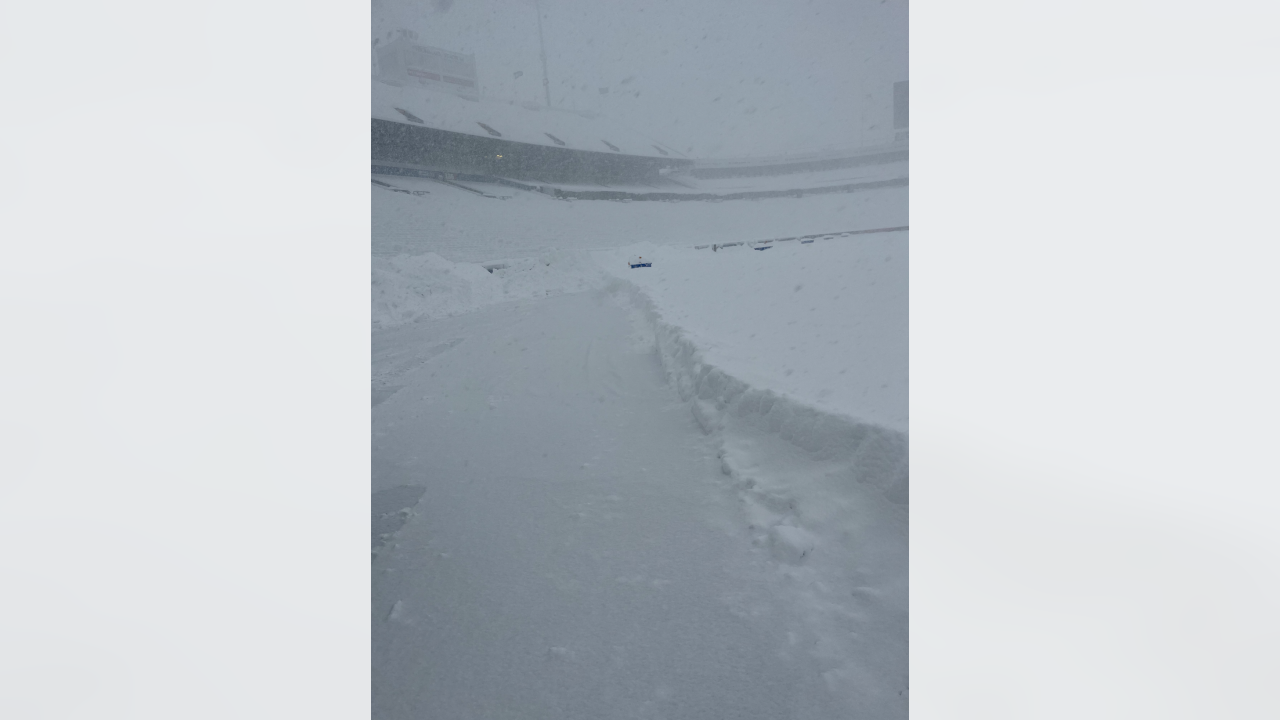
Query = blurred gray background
x=183 y=422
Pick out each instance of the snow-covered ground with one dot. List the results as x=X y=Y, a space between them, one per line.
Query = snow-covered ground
x=413 y=287
x=652 y=492
x=687 y=184
x=462 y=226
x=823 y=323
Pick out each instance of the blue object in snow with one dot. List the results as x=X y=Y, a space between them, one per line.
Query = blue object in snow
x=636 y=265
x=766 y=247
x=806 y=242
x=639 y=261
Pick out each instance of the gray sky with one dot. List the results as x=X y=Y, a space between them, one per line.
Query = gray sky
x=714 y=78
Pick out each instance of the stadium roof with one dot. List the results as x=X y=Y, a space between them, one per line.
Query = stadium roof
x=533 y=124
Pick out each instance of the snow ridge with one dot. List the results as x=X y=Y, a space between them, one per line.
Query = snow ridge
x=875 y=456
x=825 y=499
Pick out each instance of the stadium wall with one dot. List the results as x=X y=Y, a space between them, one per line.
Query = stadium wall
x=454 y=152
x=785 y=165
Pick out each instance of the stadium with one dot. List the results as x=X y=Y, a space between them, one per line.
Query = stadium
x=589 y=379
x=429 y=120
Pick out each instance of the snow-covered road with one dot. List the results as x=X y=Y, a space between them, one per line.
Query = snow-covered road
x=576 y=552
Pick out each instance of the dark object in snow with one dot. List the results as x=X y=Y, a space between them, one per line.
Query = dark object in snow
x=808 y=239
x=612 y=147
x=410 y=116
x=554 y=139
x=766 y=247
x=393 y=188
x=489 y=130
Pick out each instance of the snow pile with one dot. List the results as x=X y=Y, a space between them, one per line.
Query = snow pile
x=802 y=349
x=552 y=272
x=794 y=361
x=409 y=287
x=824 y=324
x=406 y=287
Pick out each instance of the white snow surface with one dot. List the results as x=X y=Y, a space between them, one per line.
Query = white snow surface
x=462 y=226
x=413 y=287
x=823 y=323
x=672 y=491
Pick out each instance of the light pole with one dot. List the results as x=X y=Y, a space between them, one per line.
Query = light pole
x=542 y=47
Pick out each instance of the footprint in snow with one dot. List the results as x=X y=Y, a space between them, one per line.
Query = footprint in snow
x=398 y=613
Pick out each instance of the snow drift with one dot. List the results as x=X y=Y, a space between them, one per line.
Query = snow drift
x=819 y=462
x=727 y=331
x=407 y=288
x=794 y=363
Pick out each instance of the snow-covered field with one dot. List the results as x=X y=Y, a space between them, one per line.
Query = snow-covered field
x=748 y=406
x=823 y=323
x=414 y=287
x=462 y=226
x=765 y=183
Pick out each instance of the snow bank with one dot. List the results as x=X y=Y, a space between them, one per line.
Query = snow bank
x=824 y=324
x=795 y=360
x=833 y=386
x=409 y=287
x=406 y=287
x=806 y=341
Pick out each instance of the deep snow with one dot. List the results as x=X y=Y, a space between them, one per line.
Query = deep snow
x=462 y=226
x=653 y=492
x=577 y=552
x=584 y=547
x=823 y=323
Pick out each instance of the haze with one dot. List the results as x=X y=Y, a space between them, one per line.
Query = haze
x=714 y=79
